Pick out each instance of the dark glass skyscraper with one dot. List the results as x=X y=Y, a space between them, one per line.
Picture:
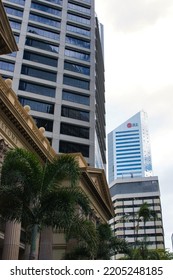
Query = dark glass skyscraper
x=59 y=72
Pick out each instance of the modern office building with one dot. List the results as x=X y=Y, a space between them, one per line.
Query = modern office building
x=129 y=152
x=59 y=72
x=128 y=194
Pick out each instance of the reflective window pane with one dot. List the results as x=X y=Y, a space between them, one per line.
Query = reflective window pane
x=7 y=66
x=38 y=73
x=78 y=30
x=74 y=130
x=37 y=105
x=41 y=45
x=40 y=58
x=77 y=55
x=70 y=147
x=69 y=112
x=75 y=82
x=43 y=32
x=37 y=88
x=46 y=9
x=47 y=124
x=77 y=68
x=77 y=42
x=44 y=20
x=75 y=97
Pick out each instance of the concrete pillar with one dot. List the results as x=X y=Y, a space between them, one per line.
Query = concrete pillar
x=11 y=241
x=46 y=242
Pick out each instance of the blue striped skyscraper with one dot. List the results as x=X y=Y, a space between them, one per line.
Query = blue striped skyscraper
x=129 y=152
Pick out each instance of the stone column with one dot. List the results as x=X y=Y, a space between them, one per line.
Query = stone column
x=11 y=241
x=46 y=242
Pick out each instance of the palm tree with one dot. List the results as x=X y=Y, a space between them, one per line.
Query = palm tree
x=105 y=246
x=32 y=193
x=146 y=214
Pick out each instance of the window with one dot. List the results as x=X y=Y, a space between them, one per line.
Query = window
x=37 y=105
x=79 y=8
x=77 y=42
x=79 y=19
x=45 y=20
x=78 y=30
x=80 y=83
x=43 y=32
x=46 y=9
x=36 y=88
x=14 y=12
x=59 y=2
x=41 y=45
x=70 y=147
x=7 y=66
x=76 y=68
x=74 y=130
x=77 y=55
x=78 y=114
x=15 y=24
x=47 y=124
x=75 y=97
x=38 y=73
x=20 y=2
x=40 y=58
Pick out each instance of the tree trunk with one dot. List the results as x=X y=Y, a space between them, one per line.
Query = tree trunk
x=34 y=243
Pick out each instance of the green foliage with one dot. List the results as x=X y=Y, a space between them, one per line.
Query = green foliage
x=33 y=194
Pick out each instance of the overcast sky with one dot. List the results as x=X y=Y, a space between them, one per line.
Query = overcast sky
x=138 y=41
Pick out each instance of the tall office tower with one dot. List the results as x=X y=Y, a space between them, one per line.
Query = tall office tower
x=129 y=149
x=128 y=194
x=59 y=72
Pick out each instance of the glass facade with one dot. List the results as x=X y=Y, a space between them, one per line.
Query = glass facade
x=59 y=45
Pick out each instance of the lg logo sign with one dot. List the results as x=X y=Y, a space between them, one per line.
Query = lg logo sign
x=130 y=125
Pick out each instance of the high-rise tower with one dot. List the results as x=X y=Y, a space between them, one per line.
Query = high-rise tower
x=129 y=152
x=59 y=72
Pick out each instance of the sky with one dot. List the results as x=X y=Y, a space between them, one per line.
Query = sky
x=138 y=53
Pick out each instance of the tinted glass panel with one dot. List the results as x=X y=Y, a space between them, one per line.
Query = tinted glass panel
x=59 y=2
x=34 y=72
x=78 y=30
x=75 y=97
x=15 y=24
x=6 y=66
x=47 y=124
x=78 y=19
x=44 y=20
x=43 y=32
x=40 y=58
x=37 y=105
x=75 y=113
x=14 y=12
x=79 y=8
x=20 y=2
x=74 y=130
x=77 y=42
x=41 y=45
x=36 y=88
x=77 y=55
x=69 y=147
x=46 y=9
x=76 y=82
x=77 y=68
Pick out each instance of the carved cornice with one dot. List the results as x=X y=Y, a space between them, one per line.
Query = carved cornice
x=24 y=123
x=7 y=40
